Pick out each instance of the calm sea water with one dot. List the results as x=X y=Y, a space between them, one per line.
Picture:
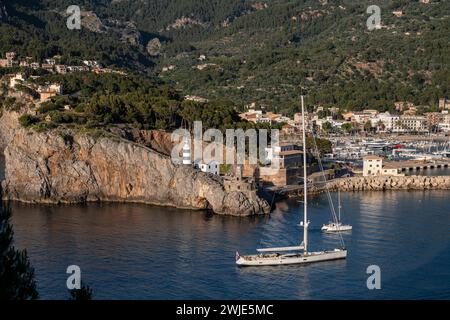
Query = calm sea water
x=143 y=252
x=431 y=172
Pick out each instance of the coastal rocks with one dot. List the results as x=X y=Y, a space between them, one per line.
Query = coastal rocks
x=8 y=124
x=71 y=168
x=381 y=183
x=158 y=140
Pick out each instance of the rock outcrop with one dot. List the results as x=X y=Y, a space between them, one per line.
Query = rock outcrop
x=63 y=167
x=381 y=183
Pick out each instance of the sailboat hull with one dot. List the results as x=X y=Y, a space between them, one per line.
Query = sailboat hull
x=286 y=259
x=336 y=228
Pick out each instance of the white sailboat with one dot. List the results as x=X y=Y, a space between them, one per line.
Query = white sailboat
x=337 y=226
x=296 y=254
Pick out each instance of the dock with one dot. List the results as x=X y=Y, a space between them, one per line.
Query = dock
x=415 y=165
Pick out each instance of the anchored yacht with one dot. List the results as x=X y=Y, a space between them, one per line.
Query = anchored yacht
x=337 y=226
x=296 y=254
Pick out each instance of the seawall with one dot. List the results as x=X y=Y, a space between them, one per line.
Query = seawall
x=381 y=183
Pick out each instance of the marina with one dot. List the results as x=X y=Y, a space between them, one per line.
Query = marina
x=347 y=149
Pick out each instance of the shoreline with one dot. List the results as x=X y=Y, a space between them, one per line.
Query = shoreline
x=350 y=184
x=376 y=183
x=383 y=183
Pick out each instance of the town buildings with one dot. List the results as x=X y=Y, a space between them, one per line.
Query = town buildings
x=286 y=155
x=53 y=65
x=9 y=61
x=258 y=116
x=444 y=104
x=444 y=124
x=49 y=91
x=288 y=159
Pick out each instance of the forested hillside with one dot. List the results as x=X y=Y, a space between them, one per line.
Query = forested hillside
x=253 y=51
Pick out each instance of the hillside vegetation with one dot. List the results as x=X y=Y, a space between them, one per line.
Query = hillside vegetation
x=254 y=51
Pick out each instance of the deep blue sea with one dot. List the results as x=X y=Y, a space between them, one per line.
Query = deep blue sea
x=128 y=251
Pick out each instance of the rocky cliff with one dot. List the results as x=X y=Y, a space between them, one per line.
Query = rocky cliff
x=64 y=167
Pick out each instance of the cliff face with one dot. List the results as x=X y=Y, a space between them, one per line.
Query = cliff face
x=57 y=167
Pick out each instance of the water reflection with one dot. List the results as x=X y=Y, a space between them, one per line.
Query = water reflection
x=144 y=252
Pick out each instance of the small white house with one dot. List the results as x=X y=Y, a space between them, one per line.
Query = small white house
x=210 y=167
x=372 y=166
x=56 y=88
x=392 y=172
x=16 y=79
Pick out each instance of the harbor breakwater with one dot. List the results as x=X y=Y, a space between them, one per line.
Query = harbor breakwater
x=382 y=183
x=376 y=183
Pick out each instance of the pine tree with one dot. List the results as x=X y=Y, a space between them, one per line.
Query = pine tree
x=82 y=294
x=16 y=273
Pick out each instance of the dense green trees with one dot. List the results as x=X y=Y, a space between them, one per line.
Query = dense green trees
x=323 y=145
x=102 y=100
x=38 y=29
x=82 y=294
x=261 y=56
x=328 y=51
x=16 y=273
x=348 y=128
x=27 y=120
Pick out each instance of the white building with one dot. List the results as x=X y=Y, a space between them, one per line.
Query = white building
x=444 y=104
x=444 y=125
x=263 y=120
x=411 y=124
x=286 y=155
x=273 y=152
x=389 y=121
x=61 y=69
x=56 y=88
x=51 y=62
x=195 y=98
x=17 y=79
x=210 y=167
x=372 y=166
x=401 y=124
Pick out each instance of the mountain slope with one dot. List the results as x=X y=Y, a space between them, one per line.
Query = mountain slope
x=255 y=51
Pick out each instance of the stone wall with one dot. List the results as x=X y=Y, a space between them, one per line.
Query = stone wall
x=380 y=183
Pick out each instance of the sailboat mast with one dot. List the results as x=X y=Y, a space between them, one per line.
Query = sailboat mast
x=305 y=182
x=339 y=200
